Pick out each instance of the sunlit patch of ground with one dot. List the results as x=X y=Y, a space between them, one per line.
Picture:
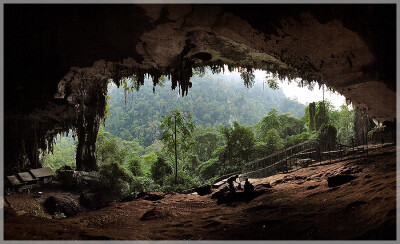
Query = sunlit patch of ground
x=300 y=205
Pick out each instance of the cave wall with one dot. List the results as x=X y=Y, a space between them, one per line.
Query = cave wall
x=59 y=58
x=362 y=125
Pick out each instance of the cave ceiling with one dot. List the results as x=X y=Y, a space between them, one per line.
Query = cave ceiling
x=58 y=58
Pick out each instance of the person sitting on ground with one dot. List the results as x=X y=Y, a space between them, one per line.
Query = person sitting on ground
x=239 y=187
x=230 y=182
x=248 y=188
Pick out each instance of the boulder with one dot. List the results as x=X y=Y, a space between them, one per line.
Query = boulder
x=152 y=214
x=62 y=204
x=151 y=196
x=94 y=200
x=69 y=178
x=340 y=179
x=203 y=190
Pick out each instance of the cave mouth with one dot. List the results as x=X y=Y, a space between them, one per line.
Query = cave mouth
x=174 y=40
x=131 y=86
x=60 y=58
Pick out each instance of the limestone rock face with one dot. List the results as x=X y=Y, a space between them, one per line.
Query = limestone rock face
x=59 y=58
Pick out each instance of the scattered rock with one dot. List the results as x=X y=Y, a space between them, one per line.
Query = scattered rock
x=65 y=204
x=266 y=185
x=151 y=196
x=280 y=181
x=351 y=171
x=152 y=215
x=298 y=177
x=312 y=187
x=203 y=190
x=339 y=179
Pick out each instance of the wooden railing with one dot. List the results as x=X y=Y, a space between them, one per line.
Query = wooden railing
x=288 y=158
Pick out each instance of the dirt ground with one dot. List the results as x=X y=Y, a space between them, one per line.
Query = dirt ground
x=299 y=206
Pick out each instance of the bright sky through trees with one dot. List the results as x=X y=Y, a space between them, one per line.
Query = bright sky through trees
x=292 y=90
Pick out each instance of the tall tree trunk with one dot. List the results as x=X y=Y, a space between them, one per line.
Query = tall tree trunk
x=311 y=110
x=176 y=158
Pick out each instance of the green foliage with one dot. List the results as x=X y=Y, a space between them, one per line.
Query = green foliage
x=342 y=120
x=106 y=146
x=209 y=169
x=260 y=150
x=268 y=122
x=239 y=143
x=296 y=139
x=59 y=215
x=177 y=131
x=134 y=165
x=141 y=184
x=290 y=125
x=322 y=112
x=150 y=159
x=191 y=163
x=213 y=99
x=199 y=71
x=206 y=143
x=116 y=180
x=272 y=141
x=159 y=170
x=60 y=157
x=345 y=124
x=248 y=78
x=272 y=81
x=327 y=137
x=183 y=182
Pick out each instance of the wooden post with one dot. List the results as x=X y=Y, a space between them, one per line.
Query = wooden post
x=286 y=159
x=366 y=139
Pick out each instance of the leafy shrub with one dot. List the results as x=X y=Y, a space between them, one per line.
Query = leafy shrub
x=59 y=215
x=327 y=137
x=191 y=163
x=209 y=168
x=296 y=139
x=184 y=182
x=88 y=179
x=159 y=170
x=141 y=184
x=115 y=179
x=260 y=150
x=134 y=165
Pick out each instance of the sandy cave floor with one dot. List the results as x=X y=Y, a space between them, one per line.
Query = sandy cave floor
x=299 y=206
